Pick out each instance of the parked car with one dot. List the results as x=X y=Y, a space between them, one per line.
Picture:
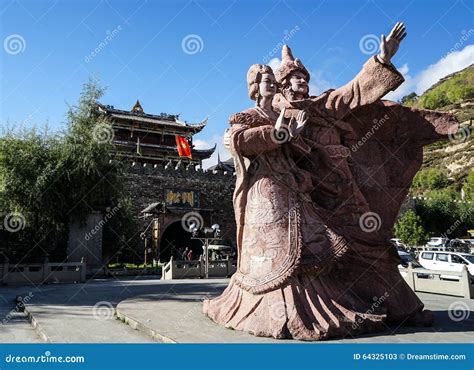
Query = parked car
x=457 y=245
x=406 y=258
x=398 y=243
x=448 y=245
x=437 y=242
x=446 y=261
x=470 y=242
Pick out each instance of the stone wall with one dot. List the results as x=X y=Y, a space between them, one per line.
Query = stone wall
x=85 y=240
x=147 y=184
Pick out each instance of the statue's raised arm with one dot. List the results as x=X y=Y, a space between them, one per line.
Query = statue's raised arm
x=377 y=77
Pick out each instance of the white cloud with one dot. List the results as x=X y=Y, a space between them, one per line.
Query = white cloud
x=453 y=62
x=275 y=63
x=403 y=69
x=201 y=144
x=206 y=144
x=318 y=84
x=423 y=80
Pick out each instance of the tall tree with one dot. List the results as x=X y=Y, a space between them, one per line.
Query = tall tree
x=409 y=228
x=47 y=181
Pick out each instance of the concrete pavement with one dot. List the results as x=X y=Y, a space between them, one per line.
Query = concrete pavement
x=180 y=319
x=171 y=311
x=81 y=313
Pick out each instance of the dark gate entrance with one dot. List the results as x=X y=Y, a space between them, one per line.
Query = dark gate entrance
x=174 y=240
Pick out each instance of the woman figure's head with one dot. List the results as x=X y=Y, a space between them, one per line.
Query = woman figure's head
x=261 y=82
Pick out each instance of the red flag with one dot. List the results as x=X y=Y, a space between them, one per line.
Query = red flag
x=183 y=147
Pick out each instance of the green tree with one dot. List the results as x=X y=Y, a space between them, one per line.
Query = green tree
x=443 y=214
x=429 y=179
x=28 y=165
x=468 y=186
x=409 y=228
x=409 y=100
x=49 y=180
x=86 y=163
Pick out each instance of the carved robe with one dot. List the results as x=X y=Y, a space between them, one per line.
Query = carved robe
x=278 y=229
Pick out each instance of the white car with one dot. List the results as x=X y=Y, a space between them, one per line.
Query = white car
x=446 y=261
x=398 y=243
x=437 y=242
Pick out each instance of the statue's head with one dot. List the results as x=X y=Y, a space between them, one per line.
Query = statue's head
x=261 y=82
x=292 y=75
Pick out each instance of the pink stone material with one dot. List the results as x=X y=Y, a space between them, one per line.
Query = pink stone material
x=311 y=265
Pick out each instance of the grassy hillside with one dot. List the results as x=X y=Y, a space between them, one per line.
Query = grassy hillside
x=454 y=94
x=452 y=89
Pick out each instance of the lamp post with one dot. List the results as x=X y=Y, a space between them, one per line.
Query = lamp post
x=206 y=235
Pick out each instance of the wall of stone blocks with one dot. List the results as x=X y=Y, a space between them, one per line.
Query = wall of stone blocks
x=147 y=184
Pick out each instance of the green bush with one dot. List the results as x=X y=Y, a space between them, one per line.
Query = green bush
x=409 y=100
x=50 y=180
x=429 y=179
x=409 y=228
x=454 y=90
x=468 y=186
x=443 y=215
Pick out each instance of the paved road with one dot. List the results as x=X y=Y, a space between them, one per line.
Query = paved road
x=83 y=313
x=14 y=327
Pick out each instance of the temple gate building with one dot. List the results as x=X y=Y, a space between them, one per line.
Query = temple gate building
x=167 y=189
x=148 y=138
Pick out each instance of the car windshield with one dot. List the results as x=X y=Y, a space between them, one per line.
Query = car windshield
x=408 y=258
x=469 y=257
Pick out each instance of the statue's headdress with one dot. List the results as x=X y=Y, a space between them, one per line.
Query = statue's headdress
x=289 y=65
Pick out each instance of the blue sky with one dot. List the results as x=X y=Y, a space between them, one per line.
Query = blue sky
x=138 y=49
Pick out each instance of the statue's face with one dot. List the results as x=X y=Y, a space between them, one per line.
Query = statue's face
x=298 y=83
x=267 y=85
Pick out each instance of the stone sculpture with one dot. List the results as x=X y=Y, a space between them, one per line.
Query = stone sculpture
x=320 y=181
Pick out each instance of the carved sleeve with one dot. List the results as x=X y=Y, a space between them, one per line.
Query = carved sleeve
x=248 y=140
x=372 y=83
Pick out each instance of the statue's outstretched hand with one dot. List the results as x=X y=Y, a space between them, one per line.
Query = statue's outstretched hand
x=389 y=45
x=296 y=125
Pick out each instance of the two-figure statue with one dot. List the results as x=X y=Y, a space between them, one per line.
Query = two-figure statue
x=320 y=181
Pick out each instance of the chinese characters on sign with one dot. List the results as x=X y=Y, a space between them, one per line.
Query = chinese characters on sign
x=181 y=198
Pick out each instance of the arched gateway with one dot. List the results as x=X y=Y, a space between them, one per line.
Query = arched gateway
x=175 y=239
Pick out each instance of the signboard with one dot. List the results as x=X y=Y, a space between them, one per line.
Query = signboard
x=181 y=198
